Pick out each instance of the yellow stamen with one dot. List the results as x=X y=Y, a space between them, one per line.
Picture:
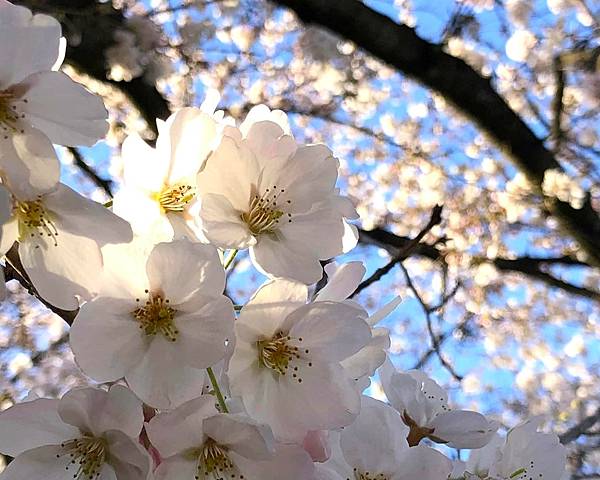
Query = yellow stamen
x=34 y=219
x=156 y=316
x=87 y=454
x=264 y=212
x=175 y=198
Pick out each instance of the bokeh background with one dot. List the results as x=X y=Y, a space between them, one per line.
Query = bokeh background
x=501 y=302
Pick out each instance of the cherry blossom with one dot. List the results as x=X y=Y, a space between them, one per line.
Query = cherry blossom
x=159 y=319
x=525 y=453
x=159 y=194
x=196 y=441
x=423 y=405
x=286 y=365
x=60 y=234
x=88 y=434
x=277 y=198
x=38 y=106
x=374 y=447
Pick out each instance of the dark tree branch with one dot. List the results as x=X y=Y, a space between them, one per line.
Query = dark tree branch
x=104 y=184
x=581 y=428
x=400 y=47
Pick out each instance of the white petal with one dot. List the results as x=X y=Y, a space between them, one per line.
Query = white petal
x=342 y=281
x=143 y=168
x=423 y=463
x=260 y=113
x=127 y=457
x=332 y=331
x=28 y=44
x=144 y=214
x=384 y=311
x=106 y=340
x=29 y=162
x=241 y=435
x=370 y=358
x=64 y=110
x=161 y=380
x=181 y=268
x=97 y=411
x=222 y=223
x=192 y=135
x=176 y=468
x=181 y=429
x=10 y=234
x=289 y=462
x=32 y=424
x=463 y=429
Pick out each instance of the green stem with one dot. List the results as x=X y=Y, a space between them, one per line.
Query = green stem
x=217 y=390
x=229 y=259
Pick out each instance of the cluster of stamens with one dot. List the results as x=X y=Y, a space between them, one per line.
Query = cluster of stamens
x=279 y=355
x=175 y=198
x=9 y=115
x=156 y=316
x=87 y=455
x=34 y=219
x=264 y=212
x=213 y=462
x=358 y=475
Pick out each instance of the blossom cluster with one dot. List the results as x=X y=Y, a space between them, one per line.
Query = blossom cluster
x=198 y=387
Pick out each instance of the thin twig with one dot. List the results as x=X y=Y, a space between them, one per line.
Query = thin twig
x=557 y=104
x=105 y=185
x=404 y=253
x=576 y=431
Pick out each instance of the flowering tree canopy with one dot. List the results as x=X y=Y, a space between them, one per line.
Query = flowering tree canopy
x=299 y=239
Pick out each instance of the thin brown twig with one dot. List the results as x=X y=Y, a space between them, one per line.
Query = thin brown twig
x=404 y=253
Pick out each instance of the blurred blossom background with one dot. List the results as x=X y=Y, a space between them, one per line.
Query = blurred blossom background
x=501 y=305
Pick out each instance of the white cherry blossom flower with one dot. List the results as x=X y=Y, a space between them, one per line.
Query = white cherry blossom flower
x=60 y=234
x=158 y=321
x=374 y=447
x=38 y=106
x=159 y=195
x=89 y=434
x=525 y=454
x=195 y=441
x=286 y=364
x=343 y=281
x=261 y=190
x=423 y=405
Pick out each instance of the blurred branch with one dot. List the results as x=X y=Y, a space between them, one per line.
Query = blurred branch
x=581 y=428
x=401 y=47
x=557 y=104
x=404 y=253
x=105 y=185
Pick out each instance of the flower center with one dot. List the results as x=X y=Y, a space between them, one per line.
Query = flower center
x=175 y=198
x=88 y=454
x=358 y=475
x=279 y=355
x=156 y=316
x=34 y=219
x=213 y=461
x=264 y=213
x=9 y=116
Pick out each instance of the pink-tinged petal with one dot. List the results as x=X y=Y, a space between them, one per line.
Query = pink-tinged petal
x=83 y=217
x=203 y=334
x=30 y=44
x=423 y=463
x=192 y=136
x=63 y=109
x=463 y=429
x=242 y=435
x=106 y=340
x=266 y=311
x=261 y=113
x=42 y=464
x=342 y=280
x=97 y=411
x=181 y=429
x=32 y=424
x=175 y=468
x=376 y=438
x=289 y=462
x=63 y=271
x=316 y=444
x=230 y=170
x=181 y=268
x=127 y=457
x=364 y=362
x=161 y=379
x=222 y=223
x=324 y=473
x=332 y=331
x=276 y=258
x=28 y=162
